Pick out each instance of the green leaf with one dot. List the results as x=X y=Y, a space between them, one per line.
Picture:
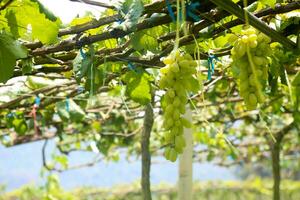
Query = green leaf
x=12 y=23
x=96 y=125
x=270 y=3
x=20 y=126
x=29 y=13
x=138 y=86
x=10 y=51
x=81 y=66
x=48 y=14
x=27 y=66
x=62 y=160
x=74 y=114
x=132 y=11
x=194 y=84
x=146 y=40
x=296 y=80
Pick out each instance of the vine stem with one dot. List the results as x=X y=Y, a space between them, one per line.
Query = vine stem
x=146 y=156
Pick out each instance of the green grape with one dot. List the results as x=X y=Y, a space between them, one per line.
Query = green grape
x=179 y=142
x=168 y=60
x=250 y=31
x=179 y=130
x=253 y=44
x=188 y=57
x=168 y=99
x=241 y=49
x=258 y=60
x=252 y=99
x=186 y=123
x=173 y=155
x=245 y=39
x=186 y=84
x=174 y=67
x=169 y=122
x=175 y=131
x=184 y=64
x=167 y=153
x=171 y=93
x=259 y=52
x=193 y=64
x=163 y=83
x=169 y=108
x=176 y=79
x=164 y=70
x=260 y=98
x=252 y=38
x=244 y=85
x=243 y=75
x=169 y=137
x=252 y=76
x=178 y=123
x=176 y=102
x=252 y=80
x=169 y=79
x=259 y=73
x=176 y=114
x=178 y=87
x=182 y=109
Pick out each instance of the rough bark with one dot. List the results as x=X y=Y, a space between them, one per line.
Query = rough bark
x=146 y=157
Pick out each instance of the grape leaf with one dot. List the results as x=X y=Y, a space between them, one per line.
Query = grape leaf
x=31 y=22
x=74 y=114
x=10 y=51
x=270 y=3
x=48 y=14
x=131 y=10
x=20 y=126
x=138 y=86
x=146 y=40
x=12 y=22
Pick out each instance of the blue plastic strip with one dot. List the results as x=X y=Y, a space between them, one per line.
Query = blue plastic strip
x=67 y=104
x=190 y=9
x=170 y=10
x=83 y=55
x=196 y=18
x=10 y=115
x=211 y=65
x=133 y=68
x=37 y=101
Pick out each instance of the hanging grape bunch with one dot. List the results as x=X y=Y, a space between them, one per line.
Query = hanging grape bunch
x=176 y=79
x=253 y=70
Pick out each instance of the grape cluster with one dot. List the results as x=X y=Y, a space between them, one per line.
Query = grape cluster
x=175 y=79
x=253 y=70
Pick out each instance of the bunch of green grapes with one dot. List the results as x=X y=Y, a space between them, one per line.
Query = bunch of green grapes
x=253 y=68
x=175 y=80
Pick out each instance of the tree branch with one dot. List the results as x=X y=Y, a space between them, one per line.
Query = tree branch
x=6 y=4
